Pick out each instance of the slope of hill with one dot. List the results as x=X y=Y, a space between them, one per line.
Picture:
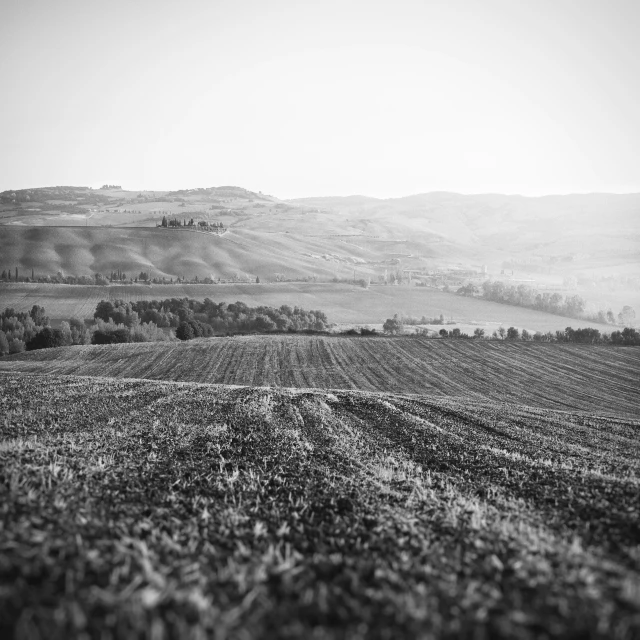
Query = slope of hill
x=571 y=377
x=166 y=510
x=170 y=253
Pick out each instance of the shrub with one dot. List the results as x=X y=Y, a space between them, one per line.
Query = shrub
x=16 y=346
x=513 y=334
x=101 y=336
x=185 y=331
x=47 y=338
x=149 y=332
x=393 y=325
x=4 y=344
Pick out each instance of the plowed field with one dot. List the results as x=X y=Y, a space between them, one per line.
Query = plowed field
x=592 y=378
x=139 y=509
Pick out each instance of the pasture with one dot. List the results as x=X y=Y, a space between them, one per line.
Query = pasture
x=596 y=378
x=343 y=303
x=174 y=510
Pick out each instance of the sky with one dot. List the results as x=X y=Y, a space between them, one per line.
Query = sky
x=299 y=98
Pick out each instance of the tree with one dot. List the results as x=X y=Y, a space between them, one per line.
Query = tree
x=502 y=332
x=4 y=344
x=104 y=310
x=264 y=323
x=513 y=334
x=164 y=221
x=257 y=279
x=478 y=333
x=65 y=328
x=16 y=345
x=626 y=316
x=185 y=331
x=393 y=325
x=47 y=338
x=38 y=315
x=526 y=336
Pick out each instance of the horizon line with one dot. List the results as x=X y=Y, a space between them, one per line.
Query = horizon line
x=354 y=195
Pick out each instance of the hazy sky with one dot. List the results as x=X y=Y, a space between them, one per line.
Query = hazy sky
x=298 y=98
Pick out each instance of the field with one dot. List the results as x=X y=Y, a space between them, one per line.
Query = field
x=343 y=303
x=599 y=378
x=139 y=509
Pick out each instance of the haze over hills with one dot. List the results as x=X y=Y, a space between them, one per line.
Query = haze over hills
x=590 y=238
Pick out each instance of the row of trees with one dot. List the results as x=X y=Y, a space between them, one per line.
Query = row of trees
x=587 y=335
x=628 y=336
x=205 y=224
x=524 y=296
x=119 y=277
x=7 y=275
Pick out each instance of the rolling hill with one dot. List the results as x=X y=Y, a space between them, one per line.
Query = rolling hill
x=591 y=235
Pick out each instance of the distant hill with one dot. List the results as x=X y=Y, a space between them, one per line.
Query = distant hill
x=593 y=238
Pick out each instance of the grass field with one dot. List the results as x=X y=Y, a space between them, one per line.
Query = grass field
x=343 y=303
x=600 y=378
x=138 y=509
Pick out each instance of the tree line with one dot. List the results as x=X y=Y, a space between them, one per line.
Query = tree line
x=203 y=224
x=524 y=296
x=118 y=277
x=587 y=335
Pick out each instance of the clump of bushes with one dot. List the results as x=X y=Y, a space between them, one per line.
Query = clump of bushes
x=112 y=332
x=18 y=329
x=193 y=318
x=361 y=331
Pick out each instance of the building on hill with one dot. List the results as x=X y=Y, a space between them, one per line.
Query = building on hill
x=200 y=225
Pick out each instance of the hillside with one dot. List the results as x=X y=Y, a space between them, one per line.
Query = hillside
x=593 y=238
x=175 y=510
x=242 y=254
x=570 y=377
